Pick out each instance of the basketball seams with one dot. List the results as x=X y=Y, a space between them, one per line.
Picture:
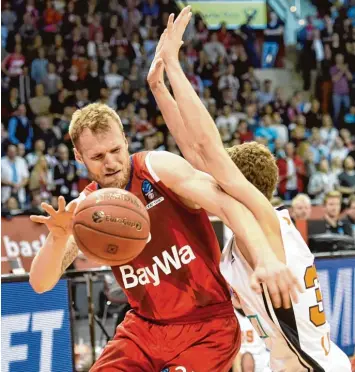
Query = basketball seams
x=106 y=233
x=113 y=206
x=76 y=237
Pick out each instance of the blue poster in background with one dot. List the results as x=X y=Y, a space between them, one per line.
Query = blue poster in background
x=337 y=281
x=35 y=329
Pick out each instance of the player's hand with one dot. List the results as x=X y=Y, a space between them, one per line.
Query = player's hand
x=156 y=72
x=59 y=222
x=175 y=31
x=282 y=285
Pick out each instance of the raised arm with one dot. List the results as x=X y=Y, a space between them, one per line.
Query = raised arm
x=202 y=190
x=170 y=109
x=203 y=136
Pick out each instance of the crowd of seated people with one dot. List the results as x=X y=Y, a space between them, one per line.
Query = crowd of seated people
x=58 y=56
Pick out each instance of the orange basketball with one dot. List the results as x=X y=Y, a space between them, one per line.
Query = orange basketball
x=111 y=226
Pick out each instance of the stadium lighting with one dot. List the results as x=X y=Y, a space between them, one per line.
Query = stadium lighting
x=301 y=22
x=293 y=9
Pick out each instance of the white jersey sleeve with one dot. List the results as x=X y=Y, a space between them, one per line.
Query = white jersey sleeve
x=298 y=338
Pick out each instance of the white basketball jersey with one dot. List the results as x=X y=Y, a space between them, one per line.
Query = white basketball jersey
x=252 y=343
x=298 y=338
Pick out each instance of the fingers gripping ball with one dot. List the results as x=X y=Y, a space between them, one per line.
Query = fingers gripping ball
x=111 y=226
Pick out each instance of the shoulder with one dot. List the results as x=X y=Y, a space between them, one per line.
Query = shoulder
x=164 y=162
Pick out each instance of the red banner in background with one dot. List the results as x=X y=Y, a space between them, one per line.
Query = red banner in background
x=21 y=239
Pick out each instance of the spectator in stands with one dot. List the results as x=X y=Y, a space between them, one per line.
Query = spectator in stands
x=151 y=8
x=265 y=130
x=33 y=157
x=114 y=81
x=44 y=131
x=291 y=173
x=14 y=176
x=65 y=176
x=341 y=76
x=11 y=208
x=336 y=167
x=214 y=49
x=347 y=178
x=266 y=96
x=273 y=35
x=301 y=207
x=51 y=81
x=245 y=135
x=41 y=181
x=35 y=208
x=40 y=104
x=8 y=17
x=20 y=129
x=39 y=67
x=12 y=66
x=11 y=103
x=229 y=80
x=339 y=150
x=248 y=35
x=318 y=149
x=327 y=132
x=314 y=117
x=322 y=182
x=280 y=129
x=227 y=120
x=332 y=222
x=28 y=30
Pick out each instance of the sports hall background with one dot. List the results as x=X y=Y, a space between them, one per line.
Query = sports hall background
x=263 y=69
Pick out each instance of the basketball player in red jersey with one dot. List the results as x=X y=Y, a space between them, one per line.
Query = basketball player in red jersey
x=181 y=304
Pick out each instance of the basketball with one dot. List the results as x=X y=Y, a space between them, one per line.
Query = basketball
x=111 y=226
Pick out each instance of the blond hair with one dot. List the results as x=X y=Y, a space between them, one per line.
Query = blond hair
x=333 y=194
x=301 y=198
x=257 y=164
x=94 y=117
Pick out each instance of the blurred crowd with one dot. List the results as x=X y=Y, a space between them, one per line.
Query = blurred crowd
x=59 y=55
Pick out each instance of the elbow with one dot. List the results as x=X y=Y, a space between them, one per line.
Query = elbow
x=38 y=284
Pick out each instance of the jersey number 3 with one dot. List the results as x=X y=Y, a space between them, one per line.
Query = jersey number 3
x=316 y=316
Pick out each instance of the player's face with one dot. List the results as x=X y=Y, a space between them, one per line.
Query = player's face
x=106 y=156
x=301 y=211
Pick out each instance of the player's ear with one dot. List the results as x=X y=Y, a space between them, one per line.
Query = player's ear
x=78 y=156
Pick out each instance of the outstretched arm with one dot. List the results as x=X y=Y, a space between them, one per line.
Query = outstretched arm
x=201 y=189
x=170 y=109
x=203 y=136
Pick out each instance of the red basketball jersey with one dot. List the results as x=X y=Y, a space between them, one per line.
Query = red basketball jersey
x=176 y=277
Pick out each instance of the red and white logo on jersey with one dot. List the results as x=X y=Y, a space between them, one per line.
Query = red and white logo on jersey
x=151 y=275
